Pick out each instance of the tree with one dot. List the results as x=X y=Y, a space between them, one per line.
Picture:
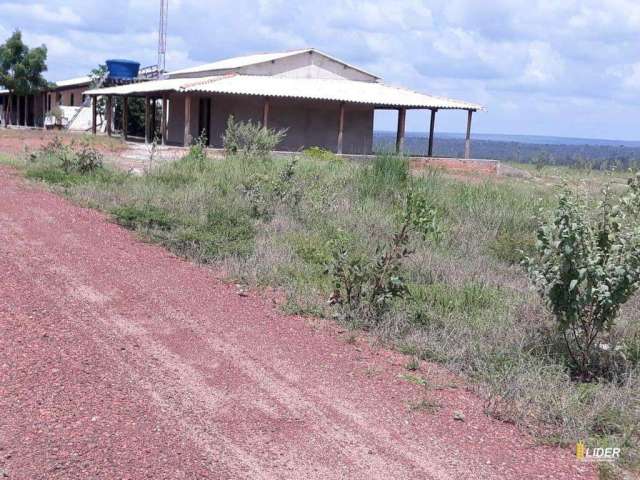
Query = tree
x=587 y=266
x=21 y=67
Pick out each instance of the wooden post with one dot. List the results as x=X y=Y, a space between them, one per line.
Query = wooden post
x=153 y=119
x=109 y=114
x=125 y=118
x=265 y=113
x=340 y=129
x=467 y=142
x=402 y=116
x=94 y=113
x=187 y=121
x=146 y=119
x=163 y=123
x=432 y=126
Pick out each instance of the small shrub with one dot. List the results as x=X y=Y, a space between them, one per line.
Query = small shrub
x=249 y=139
x=586 y=268
x=265 y=192
x=366 y=287
x=73 y=158
x=148 y=216
x=318 y=153
x=87 y=159
x=198 y=150
x=424 y=216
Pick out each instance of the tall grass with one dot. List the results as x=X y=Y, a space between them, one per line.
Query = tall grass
x=270 y=222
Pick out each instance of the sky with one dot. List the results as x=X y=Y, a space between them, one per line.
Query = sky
x=541 y=67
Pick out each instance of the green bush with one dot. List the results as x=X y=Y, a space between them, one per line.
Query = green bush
x=250 y=139
x=147 y=216
x=321 y=154
x=79 y=158
x=587 y=266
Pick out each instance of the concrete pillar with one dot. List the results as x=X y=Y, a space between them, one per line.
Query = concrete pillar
x=340 y=129
x=265 y=113
x=154 y=126
x=125 y=118
x=109 y=114
x=432 y=126
x=187 y=121
x=402 y=116
x=467 y=142
x=163 y=122
x=147 y=127
x=94 y=113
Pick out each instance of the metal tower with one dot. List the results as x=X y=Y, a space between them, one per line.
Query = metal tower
x=162 y=36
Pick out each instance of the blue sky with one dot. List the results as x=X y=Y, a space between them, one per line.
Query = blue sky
x=546 y=67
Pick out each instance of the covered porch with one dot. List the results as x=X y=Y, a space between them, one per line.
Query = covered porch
x=336 y=115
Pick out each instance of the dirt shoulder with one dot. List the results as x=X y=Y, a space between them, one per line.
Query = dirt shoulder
x=119 y=360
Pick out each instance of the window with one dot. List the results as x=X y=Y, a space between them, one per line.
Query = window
x=71 y=102
x=58 y=99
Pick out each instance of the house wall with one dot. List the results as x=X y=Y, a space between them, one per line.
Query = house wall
x=307 y=65
x=302 y=65
x=308 y=123
x=34 y=110
x=62 y=97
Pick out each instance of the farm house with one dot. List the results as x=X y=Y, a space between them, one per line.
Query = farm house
x=320 y=100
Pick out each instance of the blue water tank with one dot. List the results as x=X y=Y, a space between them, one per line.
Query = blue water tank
x=123 y=69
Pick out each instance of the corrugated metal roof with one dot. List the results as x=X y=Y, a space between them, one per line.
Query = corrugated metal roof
x=371 y=93
x=237 y=62
x=246 y=60
x=73 y=82
x=153 y=86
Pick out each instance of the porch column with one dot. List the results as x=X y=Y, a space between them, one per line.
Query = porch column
x=163 y=122
x=467 y=142
x=187 y=121
x=125 y=117
x=8 y=111
x=146 y=119
x=153 y=118
x=94 y=113
x=265 y=113
x=340 y=129
x=402 y=116
x=109 y=113
x=432 y=126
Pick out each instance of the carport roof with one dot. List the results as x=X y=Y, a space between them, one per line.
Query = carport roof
x=348 y=91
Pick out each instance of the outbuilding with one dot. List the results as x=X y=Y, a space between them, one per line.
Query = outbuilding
x=320 y=100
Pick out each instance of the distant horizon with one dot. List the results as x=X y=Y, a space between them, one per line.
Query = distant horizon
x=526 y=138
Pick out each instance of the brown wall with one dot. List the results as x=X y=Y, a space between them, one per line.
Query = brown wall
x=34 y=110
x=63 y=96
x=308 y=123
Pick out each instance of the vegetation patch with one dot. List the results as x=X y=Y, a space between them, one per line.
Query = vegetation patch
x=429 y=263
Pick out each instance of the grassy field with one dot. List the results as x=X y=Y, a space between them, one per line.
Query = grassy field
x=275 y=222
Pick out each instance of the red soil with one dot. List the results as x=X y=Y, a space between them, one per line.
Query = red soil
x=119 y=360
x=19 y=140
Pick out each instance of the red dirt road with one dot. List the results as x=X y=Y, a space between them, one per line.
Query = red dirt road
x=119 y=360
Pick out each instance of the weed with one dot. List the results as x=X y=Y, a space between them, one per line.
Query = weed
x=425 y=405
x=413 y=365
